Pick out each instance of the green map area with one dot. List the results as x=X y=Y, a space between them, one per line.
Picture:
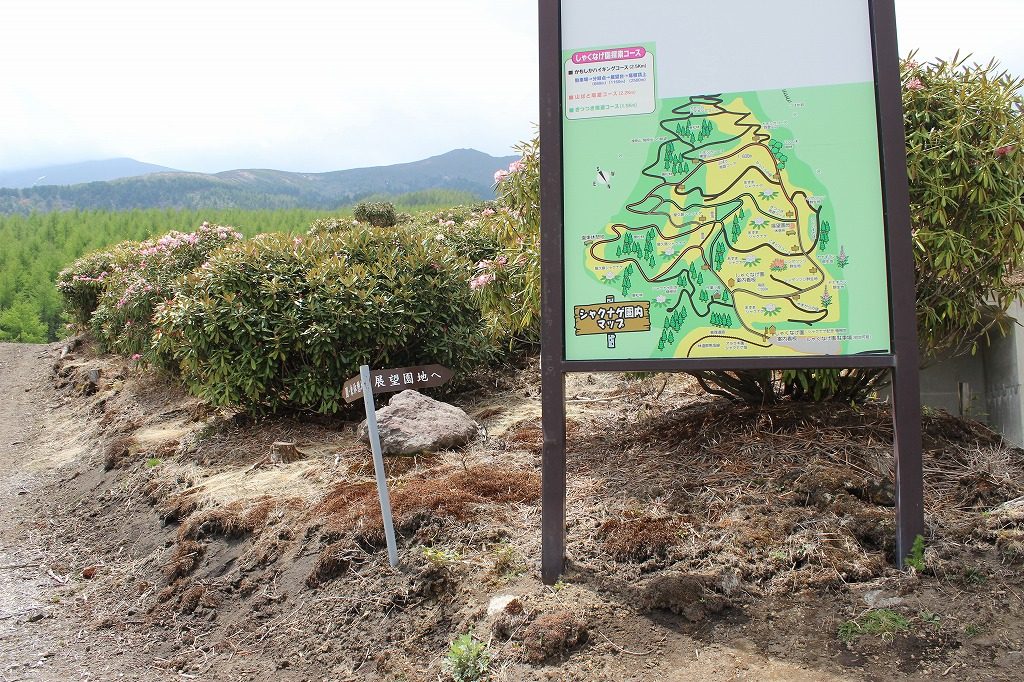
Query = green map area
x=751 y=222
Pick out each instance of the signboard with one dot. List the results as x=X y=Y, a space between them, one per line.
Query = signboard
x=612 y=318
x=724 y=187
x=365 y=386
x=730 y=178
x=393 y=380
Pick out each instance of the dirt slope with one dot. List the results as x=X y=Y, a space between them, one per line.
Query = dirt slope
x=706 y=542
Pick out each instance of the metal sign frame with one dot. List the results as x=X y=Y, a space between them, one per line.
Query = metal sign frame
x=903 y=360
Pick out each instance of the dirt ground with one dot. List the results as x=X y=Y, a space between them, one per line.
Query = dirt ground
x=148 y=537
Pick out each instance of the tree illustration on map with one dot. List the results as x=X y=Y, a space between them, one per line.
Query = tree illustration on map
x=718 y=234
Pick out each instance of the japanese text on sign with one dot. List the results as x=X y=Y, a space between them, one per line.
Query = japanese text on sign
x=612 y=82
x=392 y=380
x=613 y=318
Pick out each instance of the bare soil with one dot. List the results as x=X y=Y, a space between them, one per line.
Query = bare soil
x=148 y=536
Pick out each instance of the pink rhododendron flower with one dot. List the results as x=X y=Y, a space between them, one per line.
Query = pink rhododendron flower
x=1005 y=150
x=488 y=211
x=137 y=357
x=915 y=84
x=480 y=281
x=500 y=175
x=516 y=166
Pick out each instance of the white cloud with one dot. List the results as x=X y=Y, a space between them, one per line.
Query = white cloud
x=984 y=28
x=315 y=84
x=304 y=85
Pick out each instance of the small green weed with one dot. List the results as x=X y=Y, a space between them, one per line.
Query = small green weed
x=440 y=555
x=883 y=622
x=507 y=561
x=930 y=618
x=559 y=585
x=972 y=630
x=152 y=462
x=916 y=557
x=468 y=659
x=973 y=576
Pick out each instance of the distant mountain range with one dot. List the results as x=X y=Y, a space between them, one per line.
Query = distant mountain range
x=77 y=173
x=468 y=170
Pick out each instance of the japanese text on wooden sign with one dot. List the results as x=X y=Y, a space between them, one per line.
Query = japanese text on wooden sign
x=398 y=379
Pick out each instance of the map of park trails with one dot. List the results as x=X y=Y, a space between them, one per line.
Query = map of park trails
x=733 y=238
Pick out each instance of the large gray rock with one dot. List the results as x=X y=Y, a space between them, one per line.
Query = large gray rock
x=414 y=423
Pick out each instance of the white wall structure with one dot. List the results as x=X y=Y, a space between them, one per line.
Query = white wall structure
x=986 y=386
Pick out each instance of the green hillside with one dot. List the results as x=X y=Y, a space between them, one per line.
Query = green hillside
x=35 y=247
x=462 y=170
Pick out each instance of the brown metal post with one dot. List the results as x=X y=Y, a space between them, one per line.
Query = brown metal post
x=553 y=476
x=906 y=395
x=552 y=303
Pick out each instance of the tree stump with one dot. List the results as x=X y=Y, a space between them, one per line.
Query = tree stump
x=282 y=453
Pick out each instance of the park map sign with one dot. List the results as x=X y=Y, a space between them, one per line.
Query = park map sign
x=745 y=223
x=724 y=187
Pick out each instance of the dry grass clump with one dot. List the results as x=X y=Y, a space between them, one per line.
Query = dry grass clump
x=690 y=596
x=187 y=556
x=175 y=507
x=497 y=484
x=552 y=634
x=234 y=519
x=525 y=436
x=334 y=560
x=511 y=620
x=639 y=537
x=353 y=509
x=528 y=435
x=235 y=441
x=117 y=450
x=796 y=495
x=1005 y=527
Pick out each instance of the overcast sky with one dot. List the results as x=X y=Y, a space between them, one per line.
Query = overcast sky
x=317 y=85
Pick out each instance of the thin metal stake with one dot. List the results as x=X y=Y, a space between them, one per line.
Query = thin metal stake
x=378 y=465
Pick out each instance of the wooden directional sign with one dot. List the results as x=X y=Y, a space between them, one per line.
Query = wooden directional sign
x=398 y=379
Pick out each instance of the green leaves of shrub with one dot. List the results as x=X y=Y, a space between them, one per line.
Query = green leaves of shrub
x=965 y=128
x=468 y=659
x=143 y=275
x=377 y=213
x=278 y=323
x=82 y=283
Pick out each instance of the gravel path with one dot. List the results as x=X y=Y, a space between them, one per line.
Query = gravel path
x=34 y=645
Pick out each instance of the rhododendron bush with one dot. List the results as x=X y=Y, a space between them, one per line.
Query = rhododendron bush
x=81 y=283
x=140 y=276
x=508 y=284
x=278 y=323
x=965 y=127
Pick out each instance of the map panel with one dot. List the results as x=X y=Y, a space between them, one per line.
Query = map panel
x=747 y=224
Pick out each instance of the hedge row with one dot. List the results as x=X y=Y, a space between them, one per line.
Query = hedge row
x=279 y=322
